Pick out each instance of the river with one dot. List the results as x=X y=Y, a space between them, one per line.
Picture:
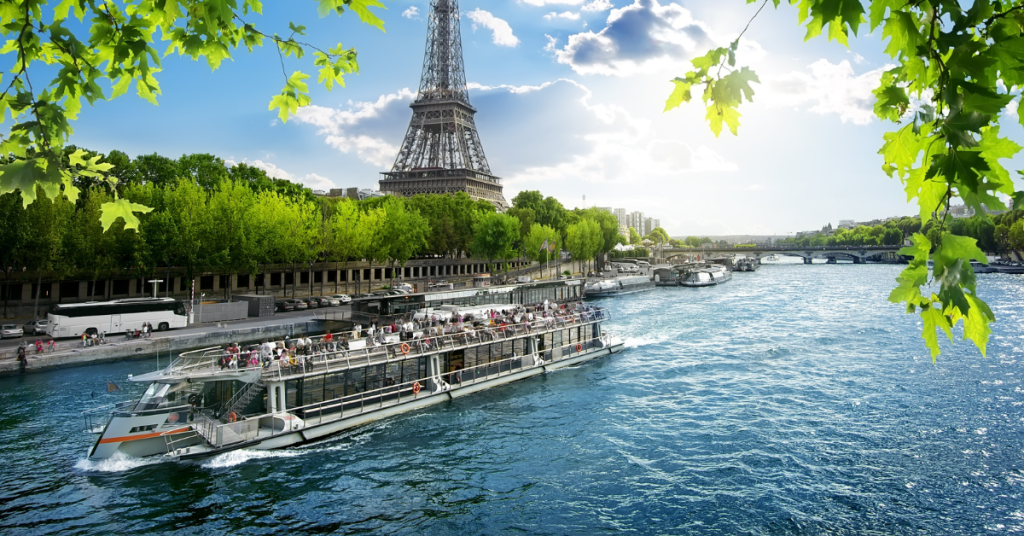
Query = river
x=792 y=400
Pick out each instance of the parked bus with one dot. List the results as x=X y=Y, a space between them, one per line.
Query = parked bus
x=118 y=316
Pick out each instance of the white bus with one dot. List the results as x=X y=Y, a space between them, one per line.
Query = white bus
x=119 y=316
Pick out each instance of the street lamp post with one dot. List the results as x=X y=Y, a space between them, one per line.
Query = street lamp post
x=154 y=282
x=201 y=296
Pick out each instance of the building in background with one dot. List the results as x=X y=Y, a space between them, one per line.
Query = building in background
x=636 y=221
x=357 y=194
x=620 y=213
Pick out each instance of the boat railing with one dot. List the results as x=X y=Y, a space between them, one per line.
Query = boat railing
x=399 y=393
x=433 y=339
x=340 y=360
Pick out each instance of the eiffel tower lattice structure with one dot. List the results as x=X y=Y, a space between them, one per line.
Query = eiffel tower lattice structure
x=441 y=153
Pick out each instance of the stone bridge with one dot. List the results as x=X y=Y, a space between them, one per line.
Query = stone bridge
x=858 y=254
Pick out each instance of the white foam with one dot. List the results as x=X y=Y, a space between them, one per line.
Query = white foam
x=118 y=462
x=637 y=342
x=240 y=456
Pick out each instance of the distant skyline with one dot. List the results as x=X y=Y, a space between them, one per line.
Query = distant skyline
x=570 y=96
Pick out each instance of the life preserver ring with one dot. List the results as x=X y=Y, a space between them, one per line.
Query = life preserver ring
x=404 y=348
x=579 y=347
x=232 y=417
x=416 y=388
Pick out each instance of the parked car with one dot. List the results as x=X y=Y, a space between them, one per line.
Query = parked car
x=36 y=327
x=297 y=305
x=404 y=287
x=311 y=303
x=327 y=301
x=283 y=306
x=10 y=331
x=343 y=298
x=323 y=301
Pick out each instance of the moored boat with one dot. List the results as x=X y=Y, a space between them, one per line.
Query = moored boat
x=705 y=277
x=616 y=286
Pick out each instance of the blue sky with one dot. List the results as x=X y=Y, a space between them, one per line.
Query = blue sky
x=569 y=96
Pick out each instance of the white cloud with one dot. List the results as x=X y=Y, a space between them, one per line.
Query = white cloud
x=412 y=13
x=579 y=141
x=552 y=43
x=551 y=2
x=1011 y=109
x=598 y=5
x=826 y=88
x=642 y=37
x=312 y=180
x=501 y=32
x=352 y=130
x=563 y=15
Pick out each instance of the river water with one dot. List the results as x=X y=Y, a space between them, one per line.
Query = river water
x=792 y=400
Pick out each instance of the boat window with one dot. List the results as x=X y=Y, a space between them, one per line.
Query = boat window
x=156 y=395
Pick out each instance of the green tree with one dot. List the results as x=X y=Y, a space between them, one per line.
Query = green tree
x=114 y=50
x=635 y=238
x=534 y=242
x=230 y=240
x=960 y=65
x=207 y=170
x=494 y=236
x=13 y=236
x=404 y=232
x=186 y=202
x=583 y=240
x=47 y=220
x=348 y=237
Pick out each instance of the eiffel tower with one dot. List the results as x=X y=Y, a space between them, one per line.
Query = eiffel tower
x=441 y=153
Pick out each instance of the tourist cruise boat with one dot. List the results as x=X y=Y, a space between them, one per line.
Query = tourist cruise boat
x=197 y=407
x=616 y=286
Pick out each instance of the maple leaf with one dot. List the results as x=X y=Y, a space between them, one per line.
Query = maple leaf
x=124 y=209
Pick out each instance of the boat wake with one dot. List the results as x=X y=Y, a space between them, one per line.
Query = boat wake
x=238 y=457
x=117 y=463
x=639 y=342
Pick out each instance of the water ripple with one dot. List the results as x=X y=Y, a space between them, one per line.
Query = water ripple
x=792 y=400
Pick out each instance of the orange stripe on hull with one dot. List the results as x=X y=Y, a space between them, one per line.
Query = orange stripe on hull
x=143 y=436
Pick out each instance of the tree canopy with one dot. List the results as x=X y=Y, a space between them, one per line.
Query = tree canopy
x=955 y=67
x=115 y=49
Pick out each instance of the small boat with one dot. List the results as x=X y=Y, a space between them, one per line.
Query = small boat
x=616 y=286
x=705 y=277
x=692 y=275
x=746 y=264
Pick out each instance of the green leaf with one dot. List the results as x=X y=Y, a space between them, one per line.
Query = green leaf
x=680 y=94
x=25 y=175
x=976 y=323
x=717 y=114
x=124 y=209
x=362 y=8
x=934 y=319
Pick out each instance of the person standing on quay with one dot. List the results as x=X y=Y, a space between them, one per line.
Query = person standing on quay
x=22 y=359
